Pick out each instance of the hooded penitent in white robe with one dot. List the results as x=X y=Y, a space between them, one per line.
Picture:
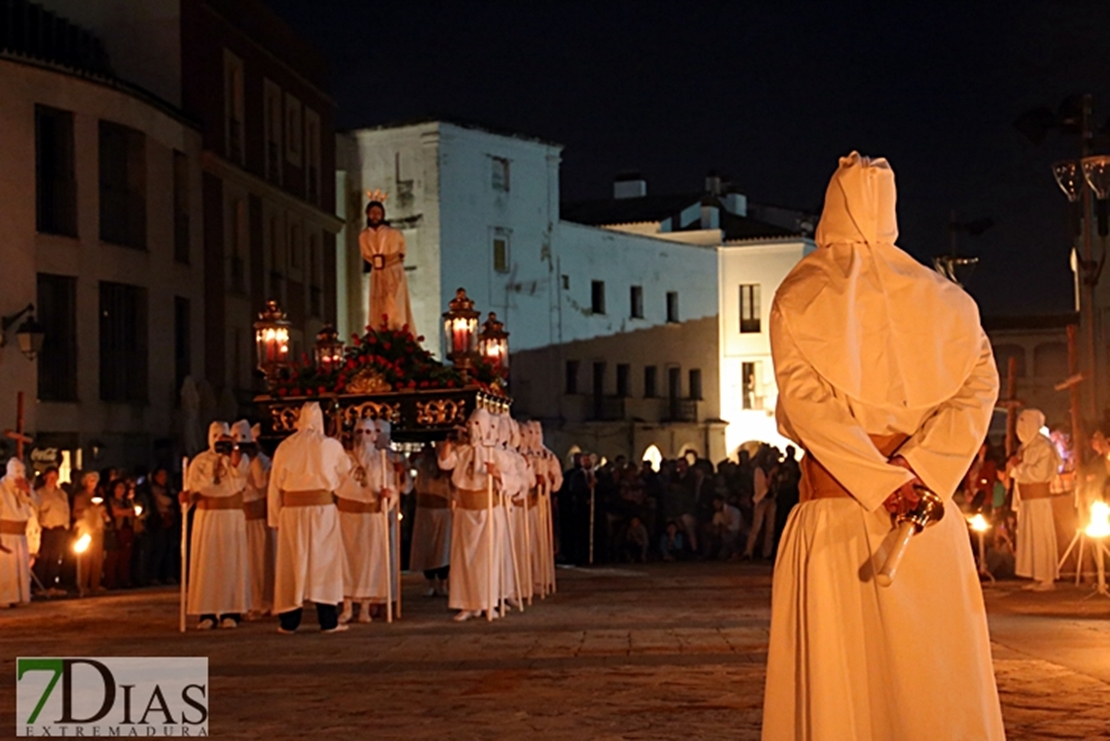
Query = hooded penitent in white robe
x=515 y=485
x=260 y=536
x=16 y=509
x=1037 y=554
x=475 y=583
x=431 y=529
x=309 y=544
x=384 y=249
x=547 y=469
x=219 y=561
x=365 y=528
x=873 y=351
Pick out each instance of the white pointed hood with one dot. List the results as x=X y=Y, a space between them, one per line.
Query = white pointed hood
x=874 y=323
x=216 y=430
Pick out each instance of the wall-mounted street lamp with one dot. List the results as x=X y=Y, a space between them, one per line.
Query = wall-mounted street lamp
x=29 y=335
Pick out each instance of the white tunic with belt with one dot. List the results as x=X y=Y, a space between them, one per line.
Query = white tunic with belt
x=310 y=546
x=365 y=530
x=219 y=561
x=15 y=566
x=1037 y=555
x=431 y=530
x=868 y=343
x=260 y=536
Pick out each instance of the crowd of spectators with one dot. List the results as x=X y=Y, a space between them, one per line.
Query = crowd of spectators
x=106 y=530
x=688 y=509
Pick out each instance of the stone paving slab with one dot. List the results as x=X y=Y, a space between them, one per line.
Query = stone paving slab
x=672 y=651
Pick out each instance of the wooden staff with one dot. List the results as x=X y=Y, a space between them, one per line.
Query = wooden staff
x=388 y=550
x=397 y=543
x=490 y=599
x=528 y=559
x=549 y=513
x=184 y=542
x=512 y=550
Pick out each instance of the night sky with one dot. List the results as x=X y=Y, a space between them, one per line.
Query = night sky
x=769 y=94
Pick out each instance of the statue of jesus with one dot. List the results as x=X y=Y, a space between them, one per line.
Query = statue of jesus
x=383 y=249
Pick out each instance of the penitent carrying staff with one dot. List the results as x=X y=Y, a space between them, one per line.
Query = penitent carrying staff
x=887 y=381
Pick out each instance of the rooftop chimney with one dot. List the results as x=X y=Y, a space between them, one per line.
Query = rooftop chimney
x=629 y=185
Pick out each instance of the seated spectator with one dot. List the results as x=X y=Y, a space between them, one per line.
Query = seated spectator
x=726 y=527
x=636 y=541
x=672 y=545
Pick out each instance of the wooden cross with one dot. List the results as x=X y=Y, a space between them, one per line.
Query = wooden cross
x=1011 y=404
x=17 y=434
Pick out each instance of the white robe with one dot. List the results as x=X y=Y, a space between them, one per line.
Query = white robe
x=219 y=560
x=475 y=579
x=366 y=566
x=384 y=249
x=15 y=567
x=1037 y=555
x=310 y=545
x=847 y=658
x=261 y=544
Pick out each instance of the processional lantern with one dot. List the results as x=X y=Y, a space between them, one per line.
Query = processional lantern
x=1096 y=171
x=493 y=344
x=460 y=328
x=271 y=336
x=329 y=349
x=1069 y=176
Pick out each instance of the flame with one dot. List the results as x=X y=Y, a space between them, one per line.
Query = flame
x=97 y=500
x=82 y=543
x=1100 y=521
x=979 y=523
x=138 y=510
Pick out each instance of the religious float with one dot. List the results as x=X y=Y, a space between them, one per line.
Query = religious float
x=385 y=374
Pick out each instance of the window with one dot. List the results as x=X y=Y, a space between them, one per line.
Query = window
x=672 y=306
x=500 y=179
x=182 y=341
x=122 y=186
x=636 y=302
x=312 y=155
x=624 y=389
x=599 y=379
x=500 y=251
x=233 y=106
x=293 y=131
x=572 y=377
x=651 y=382
x=123 y=343
x=566 y=282
x=694 y=383
x=315 y=277
x=236 y=258
x=277 y=259
x=274 y=111
x=296 y=247
x=674 y=382
x=55 y=181
x=597 y=296
x=181 y=208
x=747 y=379
x=56 y=310
x=235 y=339
x=750 y=309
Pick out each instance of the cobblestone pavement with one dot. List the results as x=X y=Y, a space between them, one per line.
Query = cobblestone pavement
x=661 y=652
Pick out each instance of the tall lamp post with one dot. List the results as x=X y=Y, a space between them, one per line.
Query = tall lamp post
x=1075 y=116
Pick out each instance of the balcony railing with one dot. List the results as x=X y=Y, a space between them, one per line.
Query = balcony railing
x=682 y=410
x=607 y=409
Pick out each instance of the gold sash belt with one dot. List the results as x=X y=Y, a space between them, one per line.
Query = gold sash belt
x=1039 y=490
x=431 y=501
x=306 y=498
x=255 y=510
x=233 y=502
x=477 y=498
x=818 y=483
x=13 y=527
x=354 y=507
